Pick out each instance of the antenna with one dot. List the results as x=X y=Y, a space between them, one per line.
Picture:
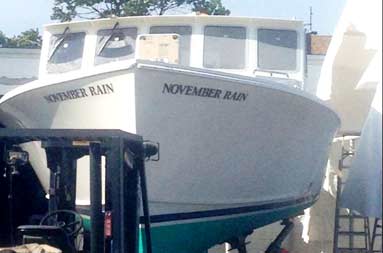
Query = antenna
x=311 y=19
x=310 y=25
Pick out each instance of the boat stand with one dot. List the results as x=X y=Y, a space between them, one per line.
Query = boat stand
x=125 y=156
x=239 y=243
x=276 y=245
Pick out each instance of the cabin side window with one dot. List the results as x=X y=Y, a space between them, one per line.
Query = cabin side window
x=277 y=49
x=224 y=47
x=185 y=39
x=65 y=53
x=115 y=45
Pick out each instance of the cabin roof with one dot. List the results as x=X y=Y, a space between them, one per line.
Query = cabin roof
x=176 y=19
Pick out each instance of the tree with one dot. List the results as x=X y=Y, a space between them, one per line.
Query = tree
x=3 y=39
x=148 y=7
x=66 y=10
x=212 y=7
x=28 y=39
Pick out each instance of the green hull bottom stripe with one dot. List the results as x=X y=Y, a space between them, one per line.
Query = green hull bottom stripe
x=198 y=236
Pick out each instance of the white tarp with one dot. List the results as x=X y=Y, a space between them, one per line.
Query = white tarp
x=348 y=78
x=356 y=39
x=363 y=189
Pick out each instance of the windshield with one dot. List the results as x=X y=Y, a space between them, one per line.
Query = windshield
x=277 y=49
x=65 y=53
x=224 y=47
x=115 y=45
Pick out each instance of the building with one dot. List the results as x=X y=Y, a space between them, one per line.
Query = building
x=316 y=48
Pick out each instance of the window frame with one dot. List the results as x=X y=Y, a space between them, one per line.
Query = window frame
x=245 y=43
x=109 y=60
x=81 y=58
x=297 y=50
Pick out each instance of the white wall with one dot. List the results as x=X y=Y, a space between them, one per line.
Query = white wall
x=314 y=66
x=17 y=66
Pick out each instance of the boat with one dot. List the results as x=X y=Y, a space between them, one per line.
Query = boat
x=241 y=144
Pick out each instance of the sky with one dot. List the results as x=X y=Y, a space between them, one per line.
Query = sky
x=17 y=16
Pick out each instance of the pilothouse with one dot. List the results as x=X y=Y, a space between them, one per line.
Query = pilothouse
x=245 y=46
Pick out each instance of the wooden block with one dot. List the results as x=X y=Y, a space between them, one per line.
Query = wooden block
x=31 y=248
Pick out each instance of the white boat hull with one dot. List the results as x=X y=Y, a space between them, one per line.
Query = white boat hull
x=226 y=141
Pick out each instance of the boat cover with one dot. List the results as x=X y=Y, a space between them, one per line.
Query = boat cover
x=348 y=77
x=358 y=35
x=363 y=188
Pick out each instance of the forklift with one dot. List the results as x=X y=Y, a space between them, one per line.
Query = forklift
x=114 y=225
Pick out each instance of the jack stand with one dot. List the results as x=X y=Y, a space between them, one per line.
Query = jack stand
x=239 y=243
x=275 y=246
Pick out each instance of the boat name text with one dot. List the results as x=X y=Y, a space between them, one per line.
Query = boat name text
x=190 y=90
x=96 y=90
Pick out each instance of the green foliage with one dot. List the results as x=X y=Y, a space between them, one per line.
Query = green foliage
x=66 y=10
x=3 y=39
x=135 y=8
x=27 y=39
x=161 y=6
x=211 y=7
